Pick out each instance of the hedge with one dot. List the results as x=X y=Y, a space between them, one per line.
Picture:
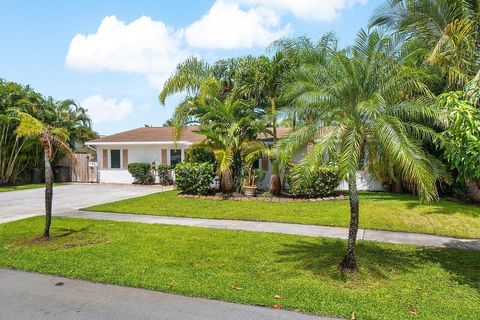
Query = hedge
x=141 y=172
x=320 y=184
x=165 y=175
x=194 y=178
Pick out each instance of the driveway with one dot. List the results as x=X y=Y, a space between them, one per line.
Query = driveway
x=34 y=296
x=16 y=205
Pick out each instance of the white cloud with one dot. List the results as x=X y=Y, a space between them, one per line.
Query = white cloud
x=143 y=46
x=228 y=26
x=315 y=10
x=107 y=110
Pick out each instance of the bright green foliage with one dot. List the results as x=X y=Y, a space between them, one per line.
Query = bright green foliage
x=357 y=109
x=444 y=33
x=194 y=178
x=461 y=141
x=321 y=183
x=394 y=282
x=199 y=154
x=141 y=172
x=165 y=175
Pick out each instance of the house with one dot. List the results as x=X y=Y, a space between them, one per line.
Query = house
x=157 y=145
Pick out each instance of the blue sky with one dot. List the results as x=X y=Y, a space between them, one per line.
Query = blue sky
x=113 y=56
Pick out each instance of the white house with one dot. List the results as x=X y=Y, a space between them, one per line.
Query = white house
x=156 y=144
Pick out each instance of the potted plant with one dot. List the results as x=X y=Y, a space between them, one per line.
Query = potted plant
x=249 y=186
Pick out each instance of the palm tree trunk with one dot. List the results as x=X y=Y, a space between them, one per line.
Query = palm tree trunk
x=48 y=193
x=349 y=262
x=473 y=190
x=274 y=119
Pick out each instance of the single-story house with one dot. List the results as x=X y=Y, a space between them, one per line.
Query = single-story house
x=157 y=145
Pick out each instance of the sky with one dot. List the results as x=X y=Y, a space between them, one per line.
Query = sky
x=113 y=56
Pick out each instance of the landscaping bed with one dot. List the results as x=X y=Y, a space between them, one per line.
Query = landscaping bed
x=380 y=211
x=260 y=197
x=293 y=272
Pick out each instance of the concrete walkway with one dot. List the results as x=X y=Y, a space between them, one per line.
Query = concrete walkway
x=21 y=204
x=287 y=228
x=31 y=296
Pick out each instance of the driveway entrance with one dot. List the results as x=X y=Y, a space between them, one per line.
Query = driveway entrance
x=22 y=204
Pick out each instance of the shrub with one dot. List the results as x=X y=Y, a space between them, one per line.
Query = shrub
x=141 y=172
x=320 y=184
x=165 y=175
x=199 y=154
x=194 y=178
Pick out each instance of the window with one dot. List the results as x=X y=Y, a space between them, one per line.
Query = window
x=115 y=159
x=175 y=156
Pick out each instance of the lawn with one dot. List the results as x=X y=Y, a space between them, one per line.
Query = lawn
x=395 y=282
x=381 y=211
x=24 y=186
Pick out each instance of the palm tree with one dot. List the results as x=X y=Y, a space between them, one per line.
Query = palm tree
x=49 y=137
x=447 y=30
x=361 y=108
x=229 y=127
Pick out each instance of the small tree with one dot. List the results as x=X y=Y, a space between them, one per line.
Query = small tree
x=49 y=137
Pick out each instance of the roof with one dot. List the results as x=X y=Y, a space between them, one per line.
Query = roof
x=147 y=135
x=150 y=134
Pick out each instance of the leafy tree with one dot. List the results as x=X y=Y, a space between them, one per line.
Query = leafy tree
x=49 y=137
x=358 y=101
x=461 y=140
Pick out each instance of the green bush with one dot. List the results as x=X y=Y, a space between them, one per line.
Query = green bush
x=165 y=175
x=199 y=154
x=320 y=184
x=141 y=172
x=194 y=178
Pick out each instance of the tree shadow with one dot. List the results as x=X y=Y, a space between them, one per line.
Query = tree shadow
x=380 y=262
x=411 y=202
x=65 y=232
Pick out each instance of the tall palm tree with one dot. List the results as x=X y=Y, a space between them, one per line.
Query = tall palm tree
x=448 y=30
x=361 y=105
x=49 y=137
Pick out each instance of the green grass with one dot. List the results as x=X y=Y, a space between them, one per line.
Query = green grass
x=381 y=211
x=394 y=282
x=24 y=187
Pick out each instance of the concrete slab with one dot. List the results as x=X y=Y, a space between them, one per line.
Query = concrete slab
x=22 y=204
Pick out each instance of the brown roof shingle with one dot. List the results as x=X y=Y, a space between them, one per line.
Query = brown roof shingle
x=164 y=134
x=152 y=134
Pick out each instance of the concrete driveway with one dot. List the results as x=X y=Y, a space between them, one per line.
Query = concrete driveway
x=16 y=205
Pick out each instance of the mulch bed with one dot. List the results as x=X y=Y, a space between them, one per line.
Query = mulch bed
x=261 y=197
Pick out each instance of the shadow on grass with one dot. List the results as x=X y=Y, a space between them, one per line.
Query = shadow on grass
x=412 y=202
x=379 y=262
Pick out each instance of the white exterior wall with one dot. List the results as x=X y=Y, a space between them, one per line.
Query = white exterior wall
x=136 y=153
x=152 y=152
x=365 y=182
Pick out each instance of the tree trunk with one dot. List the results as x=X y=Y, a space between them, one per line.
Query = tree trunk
x=349 y=262
x=48 y=194
x=226 y=184
x=275 y=184
x=473 y=190
x=274 y=119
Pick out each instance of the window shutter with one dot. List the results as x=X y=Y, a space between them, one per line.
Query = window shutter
x=264 y=164
x=164 y=156
x=125 y=159
x=105 y=159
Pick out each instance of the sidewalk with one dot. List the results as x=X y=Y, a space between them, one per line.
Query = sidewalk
x=287 y=228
